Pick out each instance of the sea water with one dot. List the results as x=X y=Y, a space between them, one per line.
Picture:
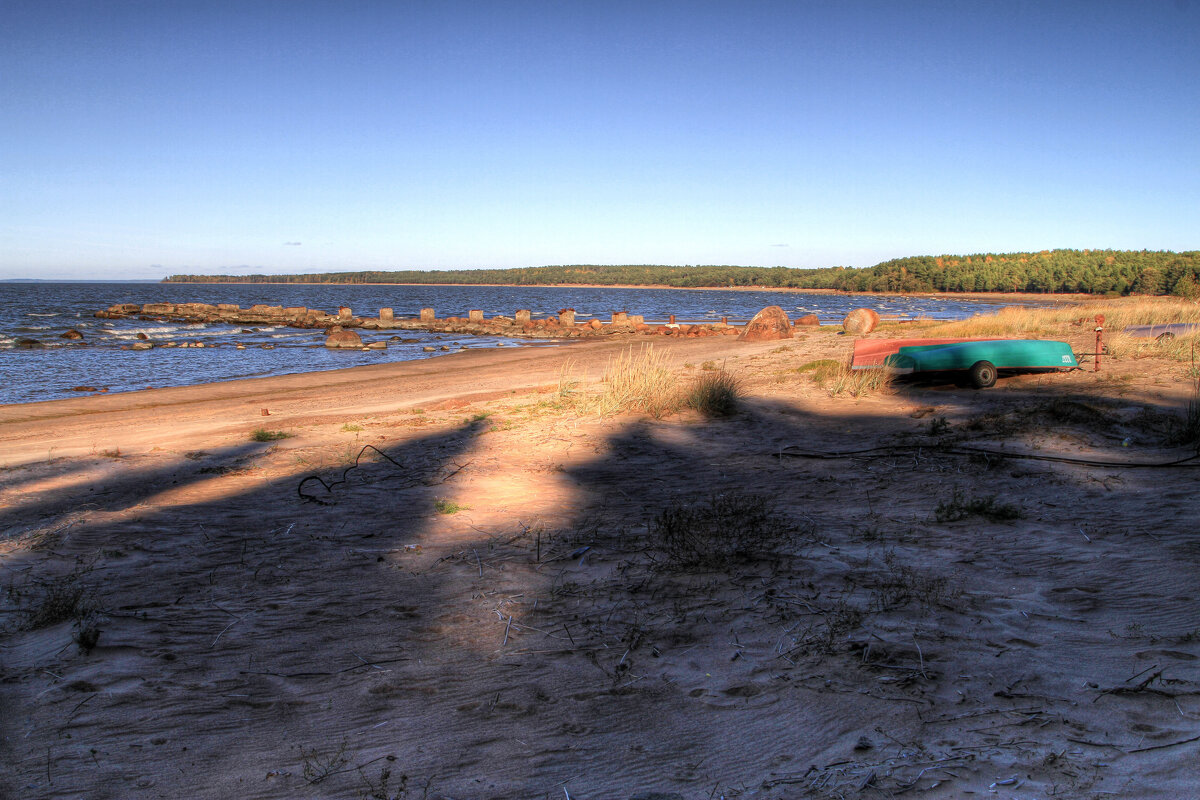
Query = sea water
x=43 y=311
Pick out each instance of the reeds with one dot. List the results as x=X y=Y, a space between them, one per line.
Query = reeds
x=1117 y=315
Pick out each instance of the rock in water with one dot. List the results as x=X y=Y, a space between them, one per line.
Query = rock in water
x=344 y=338
x=860 y=321
x=71 y=334
x=808 y=319
x=770 y=323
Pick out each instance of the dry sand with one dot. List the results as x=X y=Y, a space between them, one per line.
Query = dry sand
x=537 y=644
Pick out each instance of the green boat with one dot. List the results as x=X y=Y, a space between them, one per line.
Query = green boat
x=982 y=359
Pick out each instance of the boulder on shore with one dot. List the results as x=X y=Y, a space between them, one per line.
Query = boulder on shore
x=860 y=321
x=770 y=323
x=343 y=339
x=808 y=319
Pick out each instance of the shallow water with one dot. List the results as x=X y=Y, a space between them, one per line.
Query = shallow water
x=44 y=311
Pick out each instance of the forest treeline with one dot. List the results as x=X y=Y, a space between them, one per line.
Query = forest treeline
x=1089 y=271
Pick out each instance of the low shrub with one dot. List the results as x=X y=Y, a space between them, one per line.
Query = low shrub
x=727 y=528
x=960 y=507
x=443 y=506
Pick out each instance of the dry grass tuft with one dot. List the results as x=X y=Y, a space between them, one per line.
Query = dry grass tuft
x=1187 y=431
x=838 y=378
x=715 y=394
x=859 y=382
x=639 y=383
x=567 y=392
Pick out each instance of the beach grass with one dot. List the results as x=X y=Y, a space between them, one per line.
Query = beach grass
x=1118 y=314
x=715 y=394
x=641 y=382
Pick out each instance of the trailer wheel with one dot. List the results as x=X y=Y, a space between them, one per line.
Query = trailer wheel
x=983 y=374
x=1164 y=337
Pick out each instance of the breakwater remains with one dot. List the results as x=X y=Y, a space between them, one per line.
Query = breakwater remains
x=520 y=325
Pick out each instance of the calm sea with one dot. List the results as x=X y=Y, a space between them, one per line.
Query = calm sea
x=43 y=311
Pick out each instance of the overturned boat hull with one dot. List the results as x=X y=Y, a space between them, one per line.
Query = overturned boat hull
x=1001 y=353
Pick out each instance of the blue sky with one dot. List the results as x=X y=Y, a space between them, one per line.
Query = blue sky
x=141 y=139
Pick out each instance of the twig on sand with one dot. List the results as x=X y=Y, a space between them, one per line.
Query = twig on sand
x=506 y=627
x=222 y=633
x=368 y=663
x=78 y=706
x=1143 y=672
x=1141 y=687
x=921 y=656
x=1162 y=746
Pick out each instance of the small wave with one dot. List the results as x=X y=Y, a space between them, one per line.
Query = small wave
x=132 y=333
x=188 y=333
x=148 y=331
x=39 y=314
x=31 y=328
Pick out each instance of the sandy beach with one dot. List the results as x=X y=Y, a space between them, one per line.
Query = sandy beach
x=933 y=591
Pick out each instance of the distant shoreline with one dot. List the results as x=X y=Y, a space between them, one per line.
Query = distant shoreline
x=978 y=296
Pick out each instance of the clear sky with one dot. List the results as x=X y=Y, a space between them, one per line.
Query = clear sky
x=141 y=139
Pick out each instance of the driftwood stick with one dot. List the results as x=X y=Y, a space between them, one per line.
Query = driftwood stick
x=1162 y=746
